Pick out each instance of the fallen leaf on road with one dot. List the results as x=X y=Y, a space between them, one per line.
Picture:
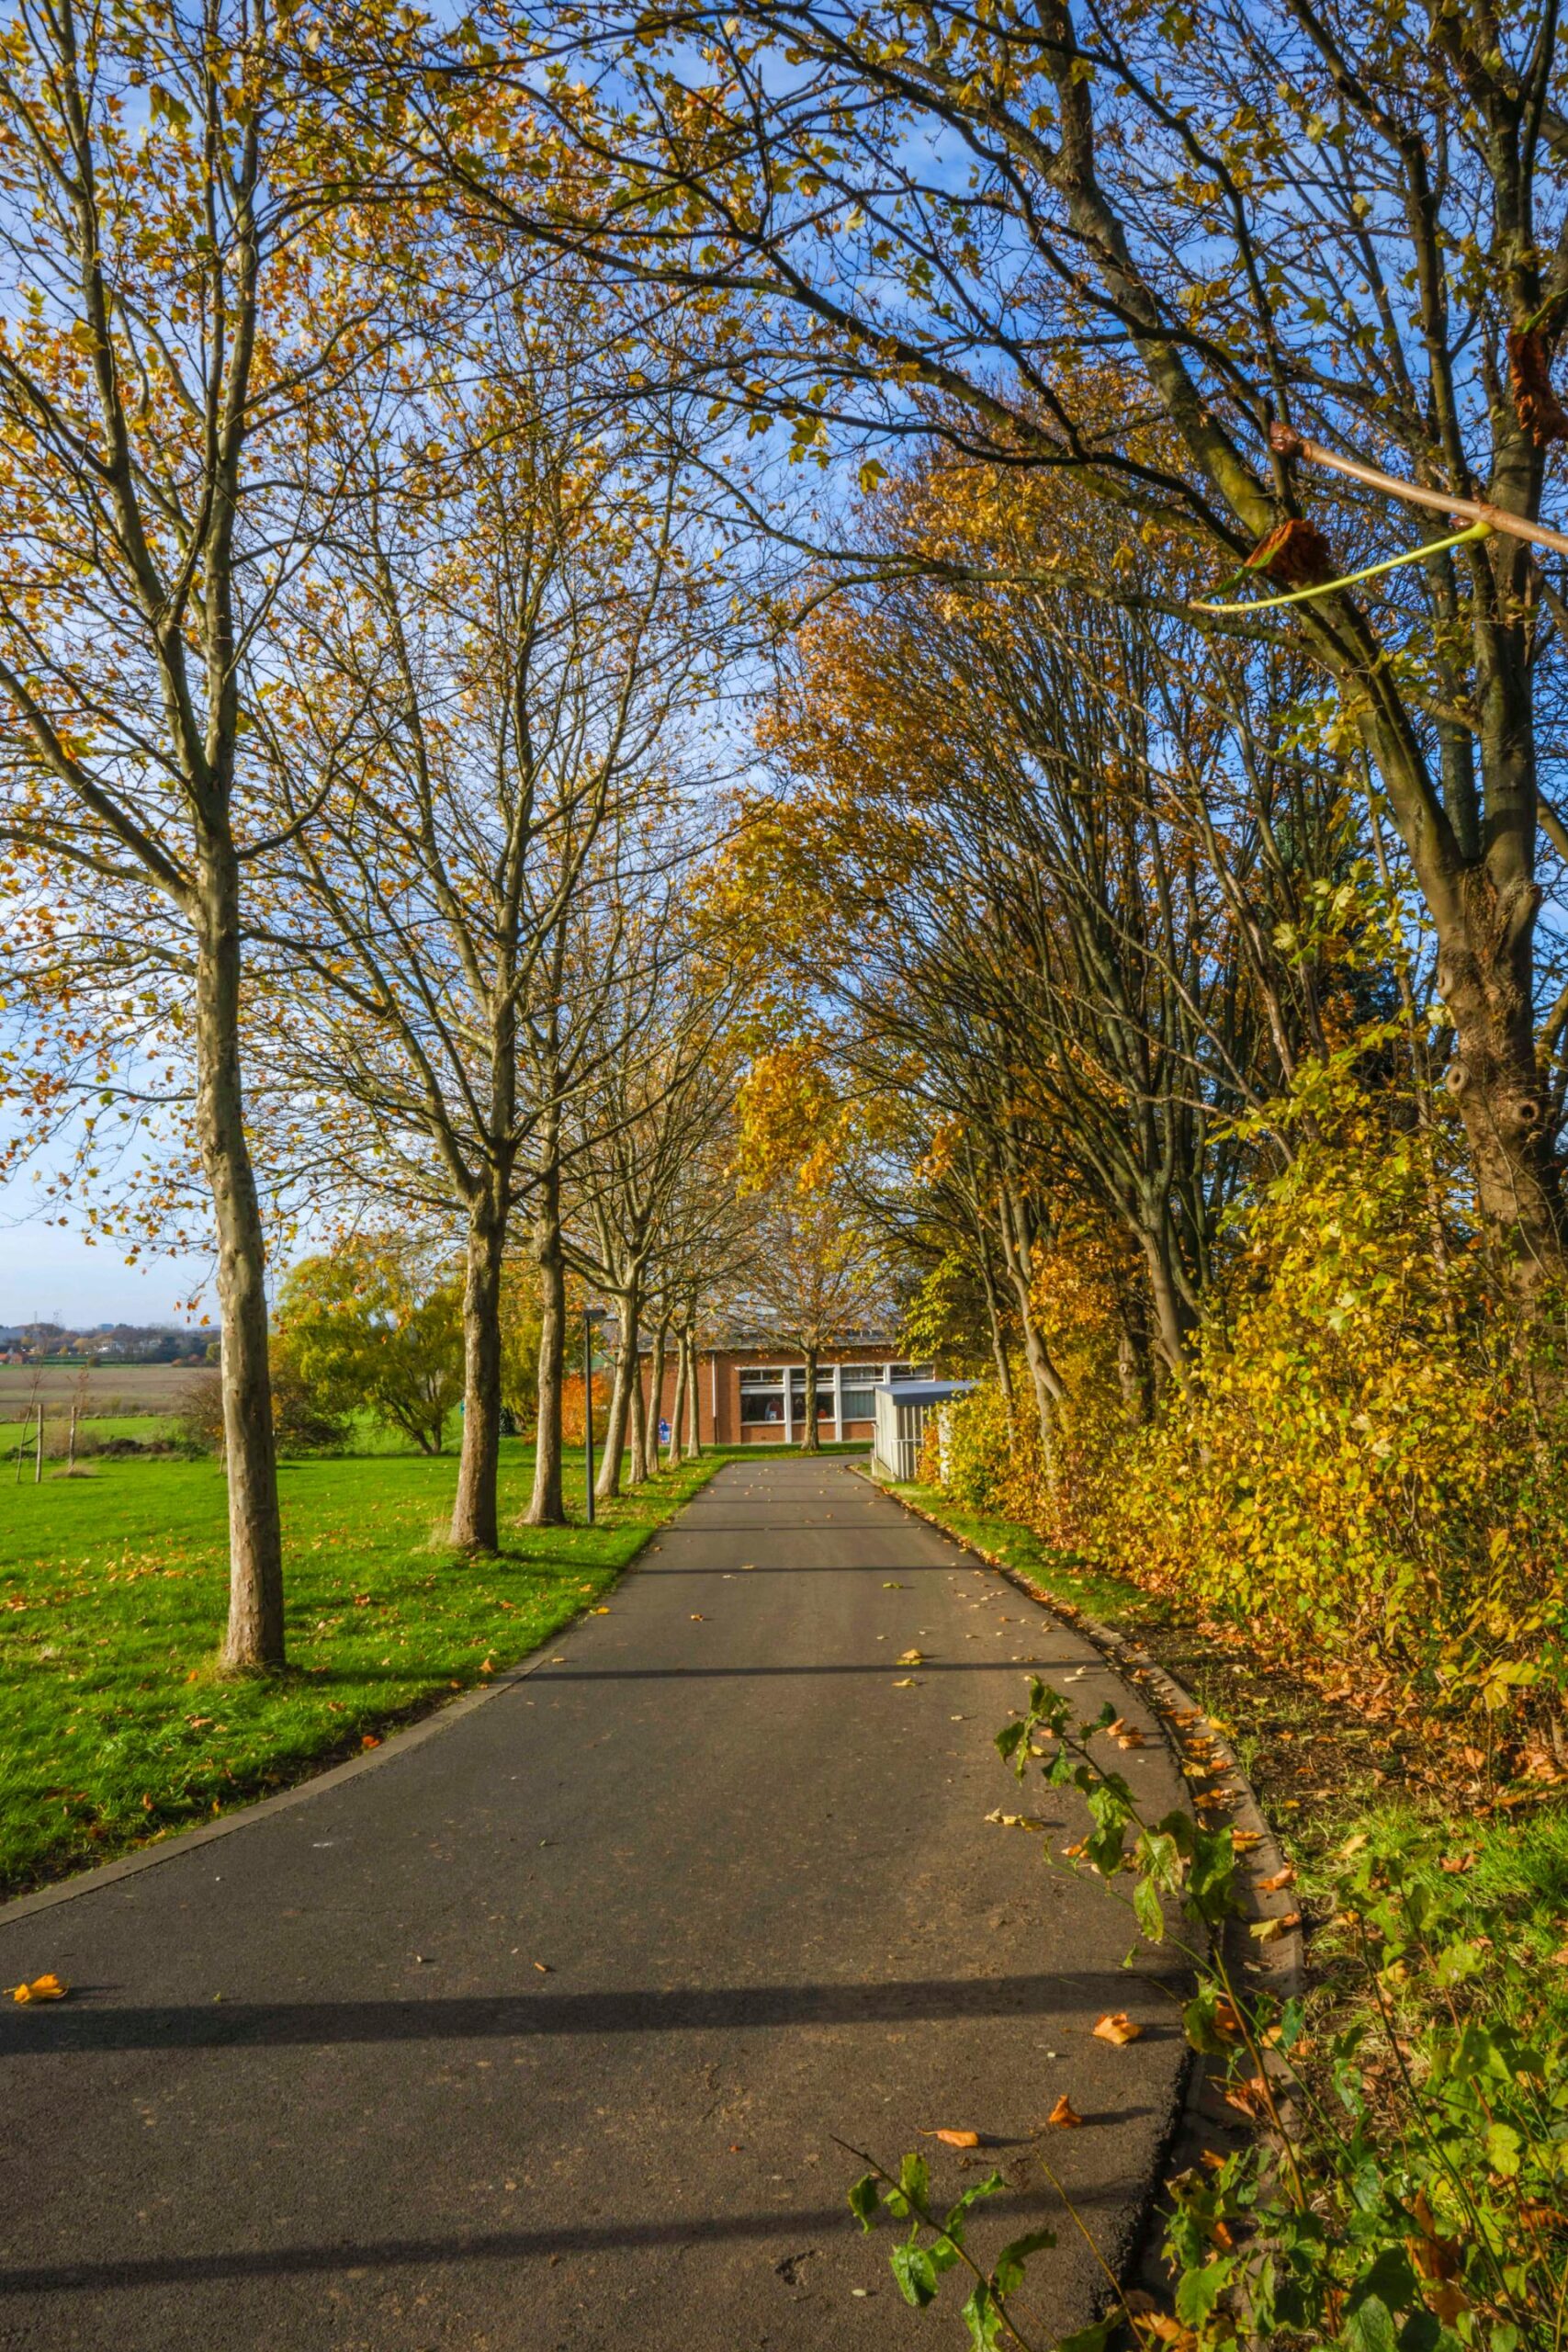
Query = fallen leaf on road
x=544 y=1968
x=1064 y=2115
x=1131 y=1739
x=889 y=1587
x=1268 y=1931
x=1117 y=2027
x=697 y=1617
x=907 y=1684
x=1243 y=1840
x=603 y=1610
x=911 y=1657
x=42 y=1988
x=955 y=2139
x=1287 y=1877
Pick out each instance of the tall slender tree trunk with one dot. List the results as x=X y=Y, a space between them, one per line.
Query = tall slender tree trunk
x=994 y=1322
x=637 y=1421
x=694 y=1395
x=254 y=1635
x=1174 y=1322
x=656 y=1389
x=810 y=1441
x=677 y=1403
x=546 y=1507
x=1050 y=1392
x=616 y=1420
x=476 y=1525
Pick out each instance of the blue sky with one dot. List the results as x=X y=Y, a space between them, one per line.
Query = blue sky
x=53 y=1275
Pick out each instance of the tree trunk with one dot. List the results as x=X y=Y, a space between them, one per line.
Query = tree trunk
x=637 y=1420
x=612 y=1460
x=254 y=1635
x=994 y=1322
x=810 y=1441
x=476 y=1525
x=693 y=1397
x=656 y=1391
x=1173 y=1317
x=546 y=1507
x=1484 y=975
x=678 y=1403
x=1049 y=1395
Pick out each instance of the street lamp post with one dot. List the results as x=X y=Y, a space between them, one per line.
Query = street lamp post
x=587 y=1412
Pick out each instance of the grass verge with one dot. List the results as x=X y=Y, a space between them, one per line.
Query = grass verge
x=115 y=1728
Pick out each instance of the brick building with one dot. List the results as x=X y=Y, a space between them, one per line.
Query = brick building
x=754 y=1394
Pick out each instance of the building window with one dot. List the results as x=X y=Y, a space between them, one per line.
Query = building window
x=824 y=1391
x=761 y=1396
x=857 y=1390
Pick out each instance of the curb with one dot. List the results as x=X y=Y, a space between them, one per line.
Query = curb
x=1216 y=1784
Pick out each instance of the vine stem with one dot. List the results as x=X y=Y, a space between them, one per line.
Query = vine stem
x=956 y=2243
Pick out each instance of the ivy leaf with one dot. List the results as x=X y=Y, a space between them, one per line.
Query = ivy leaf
x=1009 y=2264
x=862 y=2201
x=916 y=2274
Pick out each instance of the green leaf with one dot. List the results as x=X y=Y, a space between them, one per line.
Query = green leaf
x=1148 y=1910
x=1198 y=2291
x=1371 y=2328
x=1009 y=2270
x=983 y=2319
x=914 y=2179
x=916 y=2274
x=1008 y=1739
x=1504 y=2149
x=1093 y=2338
x=862 y=2201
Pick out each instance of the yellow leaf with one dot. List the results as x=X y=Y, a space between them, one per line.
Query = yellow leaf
x=1065 y=2115
x=911 y=1657
x=907 y=1684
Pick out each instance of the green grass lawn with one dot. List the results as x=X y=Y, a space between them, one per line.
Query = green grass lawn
x=1115 y=1600
x=115 y=1728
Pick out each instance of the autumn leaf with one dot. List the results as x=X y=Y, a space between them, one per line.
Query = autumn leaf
x=1118 y=2027
x=1269 y=1931
x=1065 y=2115
x=1287 y=1877
x=907 y=1683
x=954 y=2139
x=47 y=1987
x=911 y=1657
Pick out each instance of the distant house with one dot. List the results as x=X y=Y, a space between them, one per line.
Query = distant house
x=752 y=1391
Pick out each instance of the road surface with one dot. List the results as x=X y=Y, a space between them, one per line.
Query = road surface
x=539 y=2034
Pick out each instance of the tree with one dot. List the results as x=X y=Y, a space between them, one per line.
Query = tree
x=184 y=298
x=518 y=623
x=361 y=1332
x=1343 y=225
x=820 y=1276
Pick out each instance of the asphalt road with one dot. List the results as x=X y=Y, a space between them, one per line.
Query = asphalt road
x=314 y=2089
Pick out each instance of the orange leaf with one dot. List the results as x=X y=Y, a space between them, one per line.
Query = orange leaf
x=1287 y=1877
x=1117 y=2027
x=1065 y=2115
x=42 y=1988
x=955 y=2139
x=369 y=1740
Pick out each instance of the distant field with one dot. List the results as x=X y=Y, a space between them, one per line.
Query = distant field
x=111 y=1389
